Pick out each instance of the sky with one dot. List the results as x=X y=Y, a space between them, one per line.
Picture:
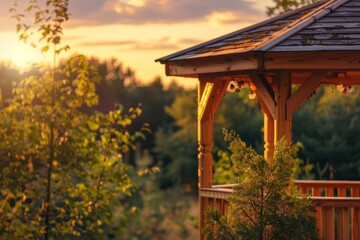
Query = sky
x=137 y=31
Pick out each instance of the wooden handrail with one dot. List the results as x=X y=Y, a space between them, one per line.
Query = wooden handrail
x=326 y=183
x=338 y=202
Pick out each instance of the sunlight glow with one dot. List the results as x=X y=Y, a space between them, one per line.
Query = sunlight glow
x=217 y=18
x=134 y=3
x=19 y=54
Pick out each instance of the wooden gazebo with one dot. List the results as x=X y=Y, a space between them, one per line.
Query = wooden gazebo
x=314 y=45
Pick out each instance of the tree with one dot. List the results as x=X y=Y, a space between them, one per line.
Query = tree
x=62 y=169
x=176 y=145
x=283 y=6
x=265 y=203
x=331 y=138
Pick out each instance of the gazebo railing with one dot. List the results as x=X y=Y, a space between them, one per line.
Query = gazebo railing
x=337 y=205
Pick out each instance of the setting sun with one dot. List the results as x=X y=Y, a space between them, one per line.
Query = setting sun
x=18 y=53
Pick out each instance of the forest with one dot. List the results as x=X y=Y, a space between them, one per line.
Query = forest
x=88 y=151
x=326 y=131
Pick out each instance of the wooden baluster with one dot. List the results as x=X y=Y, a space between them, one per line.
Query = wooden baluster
x=328 y=230
x=328 y=220
x=355 y=216
x=222 y=206
x=316 y=193
x=343 y=223
x=303 y=190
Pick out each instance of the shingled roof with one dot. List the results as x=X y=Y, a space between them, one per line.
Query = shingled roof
x=326 y=25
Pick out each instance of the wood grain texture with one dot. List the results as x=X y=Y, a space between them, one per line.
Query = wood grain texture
x=304 y=91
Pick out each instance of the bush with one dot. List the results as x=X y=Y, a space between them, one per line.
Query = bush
x=265 y=203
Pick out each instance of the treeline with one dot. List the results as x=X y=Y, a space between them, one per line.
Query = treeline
x=327 y=125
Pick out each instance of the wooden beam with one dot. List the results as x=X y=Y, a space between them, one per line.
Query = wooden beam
x=350 y=78
x=265 y=92
x=333 y=60
x=208 y=65
x=304 y=91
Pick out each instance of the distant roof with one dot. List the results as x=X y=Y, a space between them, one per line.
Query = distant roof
x=325 y=25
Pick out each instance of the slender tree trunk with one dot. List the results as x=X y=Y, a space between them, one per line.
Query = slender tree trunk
x=52 y=152
x=48 y=187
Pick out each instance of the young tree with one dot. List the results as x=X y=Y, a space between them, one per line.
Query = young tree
x=62 y=169
x=265 y=203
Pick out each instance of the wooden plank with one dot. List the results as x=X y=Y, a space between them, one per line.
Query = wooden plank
x=327 y=183
x=333 y=31
x=325 y=36
x=328 y=230
x=229 y=64
x=319 y=48
x=321 y=42
x=348 y=78
x=352 y=4
x=343 y=14
x=339 y=19
x=318 y=213
x=264 y=90
x=348 y=9
x=355 y=216
x=334 y=25
x=337 y=202
x=329 y=191
x=304 y=91
x=343 y=223
x=336 y=61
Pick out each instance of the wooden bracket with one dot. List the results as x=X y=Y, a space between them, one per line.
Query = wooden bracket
x=265 y=92
x=211 y=97
x=204 y=104
x=304 y=91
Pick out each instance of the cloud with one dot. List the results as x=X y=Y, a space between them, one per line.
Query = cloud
x=161 y=11
x=107 y=43
x=100 y=12
x=165 y=43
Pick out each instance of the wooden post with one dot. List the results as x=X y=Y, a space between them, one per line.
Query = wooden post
x=268 y=136
x=282 y=90
x=210 y=94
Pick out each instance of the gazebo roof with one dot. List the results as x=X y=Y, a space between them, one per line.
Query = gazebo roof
x=330 y=25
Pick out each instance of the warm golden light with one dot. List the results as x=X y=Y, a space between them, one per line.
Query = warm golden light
x=18 y=53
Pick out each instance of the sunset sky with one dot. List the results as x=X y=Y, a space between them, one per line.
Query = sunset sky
x=137 y=31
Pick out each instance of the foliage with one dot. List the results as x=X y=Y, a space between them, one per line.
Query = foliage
x=62 y=169
x=242 y=114
x=157 y=214
x=176 y=146
x=331 y=138
x=283 y=6
x=265 y=203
